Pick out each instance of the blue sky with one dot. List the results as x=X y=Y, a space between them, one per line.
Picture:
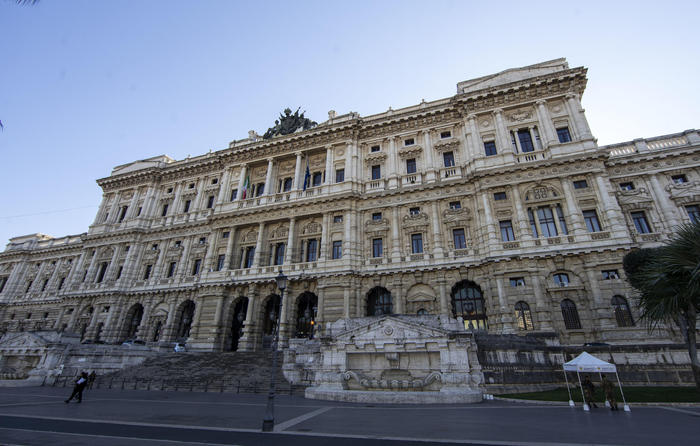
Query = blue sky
x=88 y=85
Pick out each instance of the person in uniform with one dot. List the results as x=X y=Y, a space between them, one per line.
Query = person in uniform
x=80 y=384
x=91 y=379
x=609 y=390
x=589 y=392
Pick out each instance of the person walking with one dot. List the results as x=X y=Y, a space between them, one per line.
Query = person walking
x=609 y=390
x=91 y=379
x=589 y=392
x=80 y=384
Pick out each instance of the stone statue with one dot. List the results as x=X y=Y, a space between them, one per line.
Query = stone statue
x=289 y=123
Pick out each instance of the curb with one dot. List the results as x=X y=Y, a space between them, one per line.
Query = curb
x=564 y=403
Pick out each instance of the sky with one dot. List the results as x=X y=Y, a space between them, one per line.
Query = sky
x=89 y=85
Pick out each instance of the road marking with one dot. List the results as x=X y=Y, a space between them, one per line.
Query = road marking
x=675 y=409
x=110 y=436
x=282 y=426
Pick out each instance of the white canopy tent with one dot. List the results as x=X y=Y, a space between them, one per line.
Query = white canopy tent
x=587 y=363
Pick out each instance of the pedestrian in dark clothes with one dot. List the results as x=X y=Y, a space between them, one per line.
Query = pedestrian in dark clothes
x=80 y=384
x=91 y=379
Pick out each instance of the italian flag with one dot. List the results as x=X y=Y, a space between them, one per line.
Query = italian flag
x=246 y=184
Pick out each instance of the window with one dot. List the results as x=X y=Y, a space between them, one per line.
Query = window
x=317 y=179
x=693 y=211
x=106 y=217
x=29 y=286
x=610 y=274
x=377 y=250
x=147 y=272
x=533 y=225
x=186 y=208
x=225 y=234
x=416 y=243
x=546 y=219
x=178 y=243
x=468 y=303
x=122 y=213
x=60 y=283
x=490 y=148
x=171 y=269
x=580 y=184
x=190 y=186
x=517 y=281
x=215 y=181
x=377 y=216
x=279 y=253
x=449 y=159
x=409 y=142
x=523 y=316
x=154 y=247
x=337 y=249
x=591 y=218
x=164 y=212
x=627 y=186
x=138 y=211
x=259 y=189
x=379 y=302
x=376 y=172
x=454 y=205
x=311 y=250
x=234 y=193
x=498 y=196
x=46 y=315
x=287 y=185
x=100 y=273
x=119 y=274
x=46 y=282
x=562 y=221
x=195 y=267
x=85 y=274
x=249 y=257
x=679 y=179
x=339 y=175
x=641 y=224
x=220 y=262
x=623 y=315
x=563 y=134
x=525 y=140
x=459 y=238
x=170 y=190
x=445 y=134
x=507 y=234
x=570 y=315
x=202 y=240
x=414 y=211
x=375 y=149
x=561 y=279
x=411 y=165
x=337 y=219
x=210 y=202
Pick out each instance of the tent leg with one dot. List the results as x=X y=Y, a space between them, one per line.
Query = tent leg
x=571 y=400
x=600 y=376
x=626 y=406
x=585 y=403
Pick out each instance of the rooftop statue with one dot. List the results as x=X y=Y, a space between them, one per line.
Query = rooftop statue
x=289 y=123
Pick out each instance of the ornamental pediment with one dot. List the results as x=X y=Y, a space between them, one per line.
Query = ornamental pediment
x=520 y=115
x=279 y=232
x=376 y=224
x=389 y=330
x=684 y=192
x=635 y=198
x=407 y=151
x=460 y=216
x=375 y=156
x=22 y=340
x=446 y=146
x=311 y=228
x=409 y=221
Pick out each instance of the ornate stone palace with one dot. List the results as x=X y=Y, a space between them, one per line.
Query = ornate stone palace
x=495 y=207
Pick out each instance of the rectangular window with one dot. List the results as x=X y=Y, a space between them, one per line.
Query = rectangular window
x=411 y=165
x=507 y=234
x=693 y=211
x=339 y=175
x=165 y=210
x=279 y=254
x=215 y=181
x=679 y=179
x=186 y=208
x=287 y=185
x=259 y=189
x=449 y=159
x=234 y=193
x=375 y=149
x=101 y=272
x=640 y=222
x=546 y=220
x=249 y=257
x=455 y=205
x=610 y=274
x=337 y=249
x=525 y=140
x=414 y=211
x=377 y=250
x=580 y=184
x=210 y=202
x=43 y=285
x=85 y=275
x=190 y=186
x=498 y=196
x=416 y=243
x=627 y=186
x=60 y=283
x=377 y=216
x=376 y=172
x=147 y=272
x=317 y=179
x=490 y=148
x=196 y=266
x=337 y=219
x=445 y=134
x=409 y=142
x=106 y=217
x=459 y=238
x=122 y=213
x=590 y=217
x=563 y=134
x=311 y=250
x=562 y=221
x=225 y=234
x=220 y=262
x=29 y=286
x=119 y=272
x=561 y=279
x=138 y=211
x=202 y=240
x=171 y=269
x=517 y=281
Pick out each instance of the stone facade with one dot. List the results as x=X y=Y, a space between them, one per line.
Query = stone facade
x=495 y=206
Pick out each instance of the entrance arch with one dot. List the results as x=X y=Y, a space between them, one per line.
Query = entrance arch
x=269 y=319
x=132 y=321
x=379 y=302
x=468 y=303
x=237 y=320
x=184 y=325
x=307 y=305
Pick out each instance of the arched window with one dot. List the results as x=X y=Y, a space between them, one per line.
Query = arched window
x=237 y=319
x=570 y=314
x=271 y=314
x=468 y=303
x=523 y=316
x=307 y=305
x=186 y=318
x=422 y=312
x=378 y=302
x=623 y=315
x=133 y=320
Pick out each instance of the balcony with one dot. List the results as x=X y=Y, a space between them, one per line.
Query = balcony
x=412 y=179
x=375 y=185
x=451 y=173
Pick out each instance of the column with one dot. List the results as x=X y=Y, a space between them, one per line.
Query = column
x=182 y=263
x=536 y=142
x=321 y=313
x=548 y=133
x=130 y=264
x=297 y=173
x=288 y=253
x=211 y=250
x=575 y=216
x=169 y=328
x=284 y=312
x=541 y=308
x=395 y=243
x=444 y=304
x=101 y=210
x=114 y=209
x=74 y=269
x=217 y=330
x=661 y=199
x=399 y=307
x=142 y=331
x=615 y=220
x=54 y=273
x=57 y=324
x=577 y=115
x=269 y=187
x=438 y=251
x=113 y=262
x=349 y=158
x=329 y=165
x=175 y=205
x=228 y=261
x=429 y=159
x=245 y=343
x=258 y=245
x=224 y=187
x=501 y=131
x=200 y=200
x=523 y=225
x=133 y=204
x=391 y=164
x=325 y=223
x=474 y=136
x=355 y=162
x=91 y=269
x=158 y=267
x=149 y=203
x=514 y=137
x=241 y=182
x=490 y=223
x=346 y=299
x=348 y=237
x=506 y=318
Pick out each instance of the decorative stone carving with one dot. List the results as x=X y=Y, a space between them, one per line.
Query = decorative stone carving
x=412 y=221
x=520 y=116
x=634 y=199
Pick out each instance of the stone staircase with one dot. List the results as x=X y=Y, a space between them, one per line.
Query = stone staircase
x=235 y=372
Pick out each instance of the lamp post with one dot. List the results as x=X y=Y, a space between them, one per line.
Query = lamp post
x=269 y=421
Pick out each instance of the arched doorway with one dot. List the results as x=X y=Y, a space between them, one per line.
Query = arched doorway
x=185 y=321
x=307 y=305
x=157 y=330
x=468 y=303
x=132 y=321
x=379 y=302
x=270 y=317
x=237 y=322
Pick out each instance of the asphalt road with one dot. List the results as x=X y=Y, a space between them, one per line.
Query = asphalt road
x=38 y=416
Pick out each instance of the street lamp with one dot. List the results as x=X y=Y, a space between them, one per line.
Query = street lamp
x=269 y=420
